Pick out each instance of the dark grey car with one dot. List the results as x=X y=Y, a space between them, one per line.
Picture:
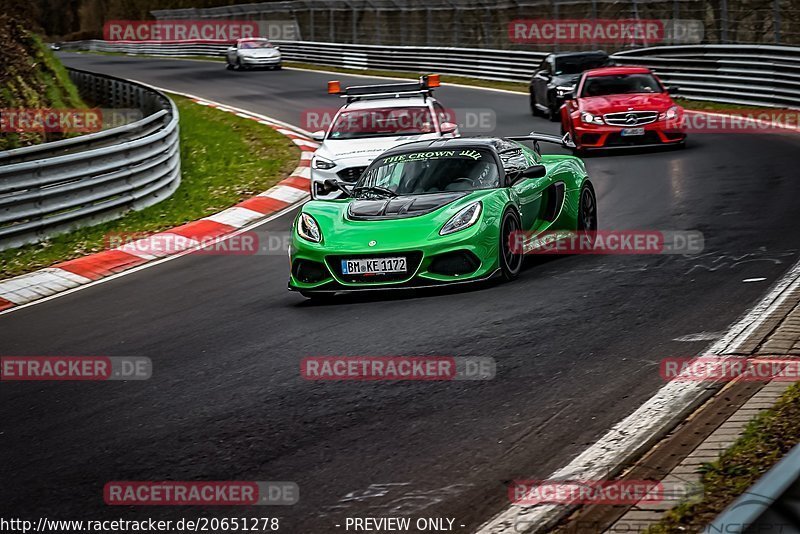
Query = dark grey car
x=556 y=77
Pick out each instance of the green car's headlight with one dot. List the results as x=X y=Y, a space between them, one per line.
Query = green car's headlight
x=308 y=228
x=463 y=219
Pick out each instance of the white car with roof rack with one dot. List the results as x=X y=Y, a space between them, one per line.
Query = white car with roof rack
x=375 y=119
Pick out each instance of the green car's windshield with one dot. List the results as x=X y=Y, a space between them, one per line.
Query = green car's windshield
x=429 y=171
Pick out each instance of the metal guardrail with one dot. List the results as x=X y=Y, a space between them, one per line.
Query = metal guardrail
x=500 y=65
x=485 y=23
x=148 y=48
x=51 y=188
x=770 y=505
x=761 y=75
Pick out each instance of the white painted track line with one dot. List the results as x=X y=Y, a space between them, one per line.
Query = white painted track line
x=636 y=433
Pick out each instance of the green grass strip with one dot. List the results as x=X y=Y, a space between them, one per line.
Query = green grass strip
x=769 y=437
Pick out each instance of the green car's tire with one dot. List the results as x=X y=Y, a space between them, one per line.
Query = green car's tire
x=510 y=263
x=587 y=214
x=587 y=209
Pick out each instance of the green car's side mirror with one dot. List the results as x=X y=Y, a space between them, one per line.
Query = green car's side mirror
x=534 y=171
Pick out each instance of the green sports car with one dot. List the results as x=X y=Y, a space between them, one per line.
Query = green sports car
x=438 y=212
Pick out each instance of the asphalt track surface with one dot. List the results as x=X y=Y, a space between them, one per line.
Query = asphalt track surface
x=577 y=342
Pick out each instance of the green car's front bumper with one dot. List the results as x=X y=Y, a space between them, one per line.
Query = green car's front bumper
x=468 y=255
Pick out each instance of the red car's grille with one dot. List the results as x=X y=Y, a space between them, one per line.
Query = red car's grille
x=630 y=119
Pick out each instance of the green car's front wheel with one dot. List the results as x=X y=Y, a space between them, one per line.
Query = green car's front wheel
x=587 y=209
x=510 y=261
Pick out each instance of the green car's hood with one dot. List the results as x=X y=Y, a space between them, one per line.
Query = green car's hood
x=397 y=223
x=400 y=207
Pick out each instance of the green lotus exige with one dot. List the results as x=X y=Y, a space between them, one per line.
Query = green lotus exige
x=439 y=212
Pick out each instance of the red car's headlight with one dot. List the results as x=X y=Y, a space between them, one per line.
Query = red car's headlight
x=671 y=114
x=589 y=118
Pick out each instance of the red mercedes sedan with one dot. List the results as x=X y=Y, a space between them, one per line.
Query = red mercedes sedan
x=619 y=107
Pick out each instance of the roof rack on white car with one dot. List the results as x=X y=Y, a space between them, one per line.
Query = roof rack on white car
x=423 y=87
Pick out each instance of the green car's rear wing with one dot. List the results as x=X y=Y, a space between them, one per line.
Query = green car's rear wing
x=565 y=141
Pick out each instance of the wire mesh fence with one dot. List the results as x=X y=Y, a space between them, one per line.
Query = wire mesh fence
x=518 y=24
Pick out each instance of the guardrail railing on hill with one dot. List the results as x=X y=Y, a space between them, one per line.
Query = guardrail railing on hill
x=501 y=65
x=761 y=75
x=52 y=188
x=738 y=74
x=769 y=505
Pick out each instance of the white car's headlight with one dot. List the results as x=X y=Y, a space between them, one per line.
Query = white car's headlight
x=588 y=118
x=463 y=219
x=308 y=229
x=324 y=164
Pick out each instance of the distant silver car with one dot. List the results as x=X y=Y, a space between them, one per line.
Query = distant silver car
x=253 y=52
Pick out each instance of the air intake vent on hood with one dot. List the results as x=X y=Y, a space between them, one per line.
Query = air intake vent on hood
x=400 y=207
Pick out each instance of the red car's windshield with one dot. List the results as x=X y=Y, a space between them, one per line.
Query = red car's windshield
x=382 y=122
x=619 y=84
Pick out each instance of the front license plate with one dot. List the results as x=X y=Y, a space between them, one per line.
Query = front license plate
x=632 y=131
x=374 y=266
